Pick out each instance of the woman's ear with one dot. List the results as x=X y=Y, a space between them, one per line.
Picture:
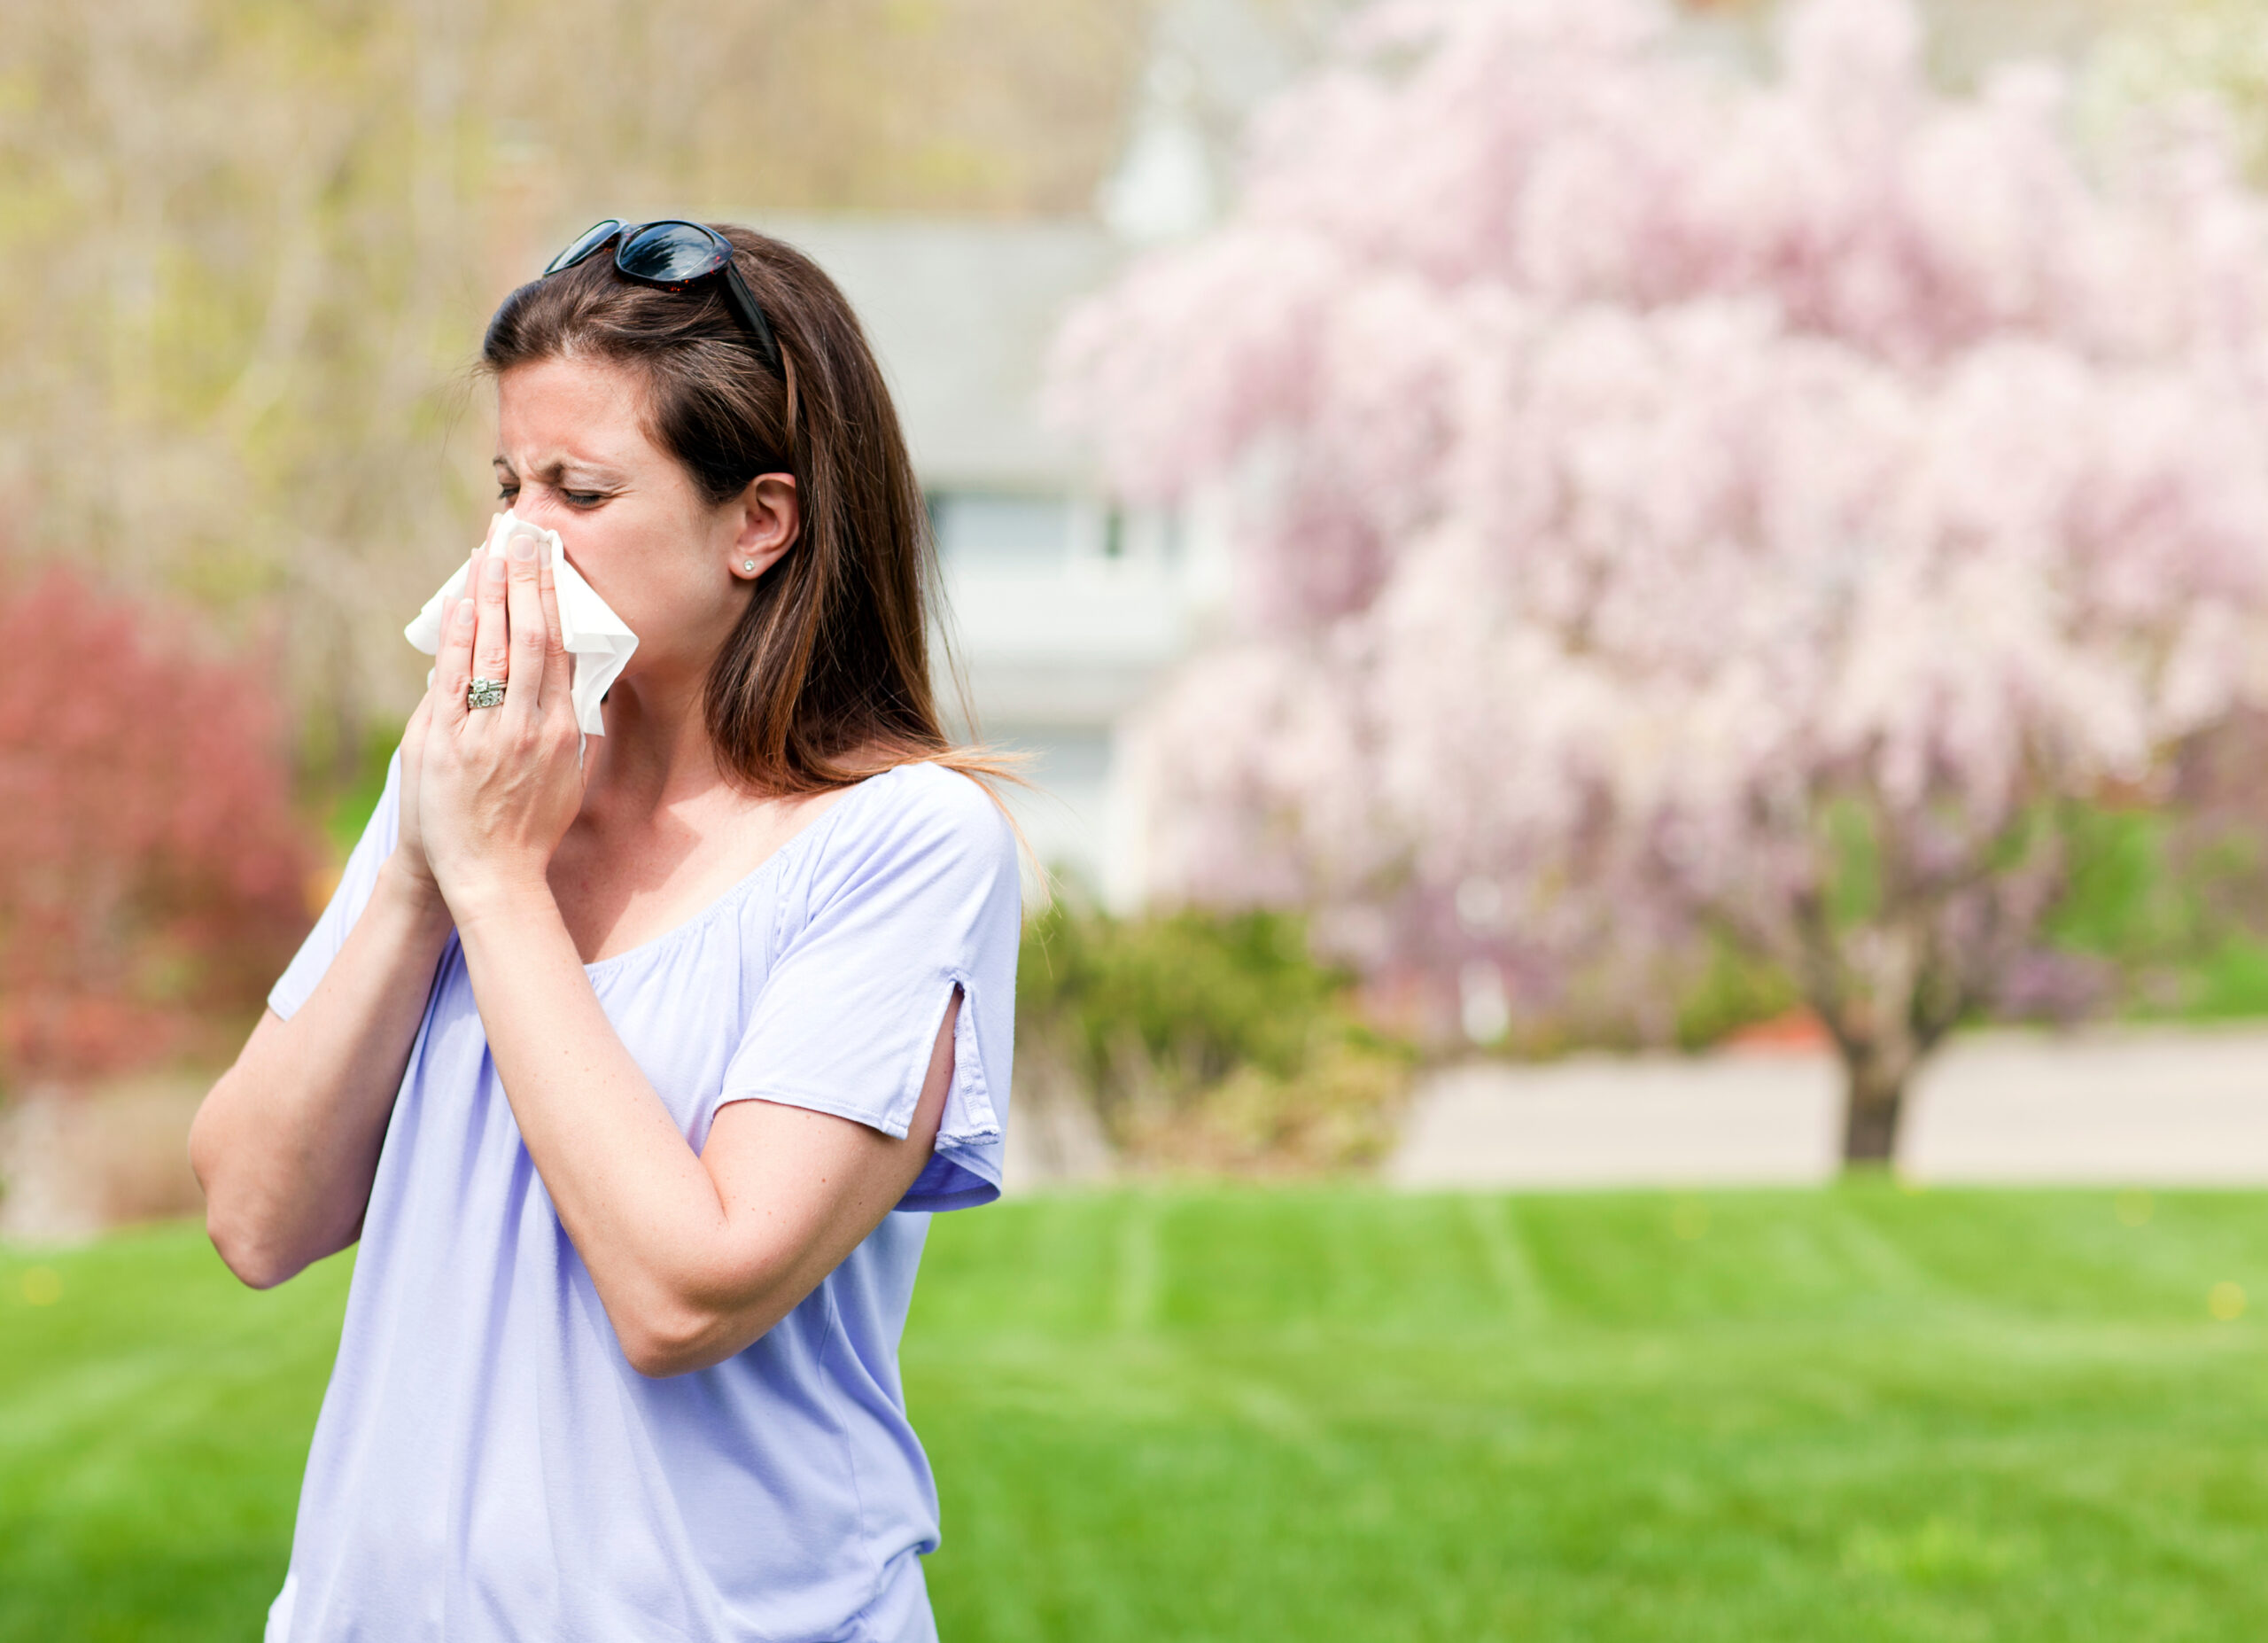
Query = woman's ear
x=771 y=518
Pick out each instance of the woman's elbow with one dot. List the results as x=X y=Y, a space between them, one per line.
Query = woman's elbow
x=676 y=1342
x=240 y=1251
x=261 y=1235
x=257 y=1263
x=659 y=1359
x=253 y=1240
x=680 y=1332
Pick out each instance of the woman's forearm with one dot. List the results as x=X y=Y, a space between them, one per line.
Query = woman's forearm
x=694 y=1256
x=635 y=1200
x=286 y=1145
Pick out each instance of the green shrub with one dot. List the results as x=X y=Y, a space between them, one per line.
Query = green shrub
x=1732 y=990
x=1206 y=1041
x=2171 y=907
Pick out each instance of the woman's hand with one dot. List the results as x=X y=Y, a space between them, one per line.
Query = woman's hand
x=409 y=841
x=498 y=787
x=409 y=857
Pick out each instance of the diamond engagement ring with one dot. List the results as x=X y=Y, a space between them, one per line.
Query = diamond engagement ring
x=484 y=693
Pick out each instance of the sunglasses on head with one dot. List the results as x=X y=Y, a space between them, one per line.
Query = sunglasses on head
x=676 y=256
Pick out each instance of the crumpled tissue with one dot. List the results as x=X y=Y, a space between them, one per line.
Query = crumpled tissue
x=599 y=642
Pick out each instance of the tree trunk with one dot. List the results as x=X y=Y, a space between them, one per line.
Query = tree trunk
x=1864 y=984
x=1874 y=1099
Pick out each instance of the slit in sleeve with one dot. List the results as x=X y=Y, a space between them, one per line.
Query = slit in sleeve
x=923 y=901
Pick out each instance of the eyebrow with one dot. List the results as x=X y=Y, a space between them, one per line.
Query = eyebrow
x=551 y=473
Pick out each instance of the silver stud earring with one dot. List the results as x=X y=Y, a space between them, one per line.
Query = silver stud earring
x=748 y=564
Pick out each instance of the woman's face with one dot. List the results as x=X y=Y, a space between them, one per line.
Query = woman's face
x=572 y=455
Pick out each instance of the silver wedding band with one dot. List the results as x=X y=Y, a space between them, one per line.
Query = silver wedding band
x=484 y=693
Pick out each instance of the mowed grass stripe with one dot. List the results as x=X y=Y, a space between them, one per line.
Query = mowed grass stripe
x=1339 y=1413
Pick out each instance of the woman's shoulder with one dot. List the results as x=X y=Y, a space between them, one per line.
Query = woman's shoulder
x=938 y=792
x=919 y=811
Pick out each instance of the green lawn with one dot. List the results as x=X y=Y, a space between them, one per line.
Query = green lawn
x=1314 y=1415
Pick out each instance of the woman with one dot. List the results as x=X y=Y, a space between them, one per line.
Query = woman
x=618 y=1056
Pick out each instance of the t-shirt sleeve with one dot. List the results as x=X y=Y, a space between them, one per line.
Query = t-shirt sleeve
x=355 y=884
x=915 y=901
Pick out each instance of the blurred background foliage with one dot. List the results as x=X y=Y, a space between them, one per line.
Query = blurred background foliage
x=1204 y=1040
x=251 y=247
x=153 y=874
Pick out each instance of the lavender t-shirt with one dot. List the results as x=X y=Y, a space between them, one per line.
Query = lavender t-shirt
x=488 y=1466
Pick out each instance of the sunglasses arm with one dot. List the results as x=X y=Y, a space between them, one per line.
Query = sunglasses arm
x=752 y=315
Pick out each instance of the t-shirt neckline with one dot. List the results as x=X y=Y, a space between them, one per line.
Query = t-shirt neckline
x=736 y=892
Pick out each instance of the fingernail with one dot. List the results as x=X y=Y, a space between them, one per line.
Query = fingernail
x=493 y=570
x=465 y=614
x=524 y=548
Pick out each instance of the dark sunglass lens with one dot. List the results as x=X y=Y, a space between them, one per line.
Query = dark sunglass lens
x=591 y=239
x=672 y=252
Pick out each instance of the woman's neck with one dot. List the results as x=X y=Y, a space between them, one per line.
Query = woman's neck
x=664 y=828
x=657 y=751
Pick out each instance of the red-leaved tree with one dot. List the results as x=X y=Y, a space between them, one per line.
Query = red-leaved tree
x=152 y=875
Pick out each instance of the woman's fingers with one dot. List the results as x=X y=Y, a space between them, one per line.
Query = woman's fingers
x=453 y=663
x=558 y=666
x=492 y=639
x=525 y=688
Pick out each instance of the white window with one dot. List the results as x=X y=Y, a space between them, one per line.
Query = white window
x=1002 y=530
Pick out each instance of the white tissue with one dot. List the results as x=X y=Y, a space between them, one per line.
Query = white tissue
x=596 y=638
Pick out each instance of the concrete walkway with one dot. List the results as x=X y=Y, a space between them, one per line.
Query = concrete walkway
x=2145 y=1107
x=2157 y=1106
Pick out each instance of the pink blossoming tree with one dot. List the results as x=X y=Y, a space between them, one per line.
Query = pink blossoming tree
x=1672 y=499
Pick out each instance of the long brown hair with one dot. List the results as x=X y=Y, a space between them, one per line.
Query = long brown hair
x=826 y=680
